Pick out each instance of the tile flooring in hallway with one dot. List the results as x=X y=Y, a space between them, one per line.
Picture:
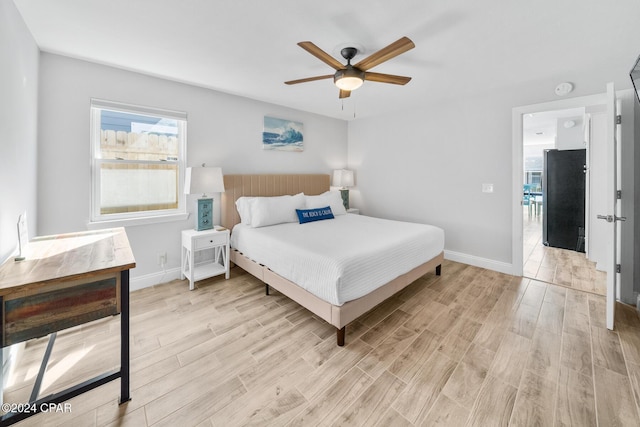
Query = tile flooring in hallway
x=558 y=266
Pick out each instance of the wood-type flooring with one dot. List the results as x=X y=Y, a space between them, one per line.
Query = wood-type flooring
x=558 y=266
x=469 y=348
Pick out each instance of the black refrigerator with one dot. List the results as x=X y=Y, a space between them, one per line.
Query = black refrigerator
x=563 y=192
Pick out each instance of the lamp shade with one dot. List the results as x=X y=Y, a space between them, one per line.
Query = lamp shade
x=203 y=180
x=342 y=178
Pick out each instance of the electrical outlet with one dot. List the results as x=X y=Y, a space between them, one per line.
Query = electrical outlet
x=162 y=258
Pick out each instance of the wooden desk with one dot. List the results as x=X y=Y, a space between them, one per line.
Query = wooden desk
x=67 y=280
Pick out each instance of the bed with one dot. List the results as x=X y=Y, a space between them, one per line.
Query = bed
x=349 y=271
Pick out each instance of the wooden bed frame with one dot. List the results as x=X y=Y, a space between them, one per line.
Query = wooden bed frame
x=237 y=186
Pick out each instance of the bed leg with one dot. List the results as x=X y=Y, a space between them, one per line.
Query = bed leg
x=439 y=270
x=266 y=289
x=340 y=336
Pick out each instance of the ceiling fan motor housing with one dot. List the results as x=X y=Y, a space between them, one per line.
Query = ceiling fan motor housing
x=349 y=53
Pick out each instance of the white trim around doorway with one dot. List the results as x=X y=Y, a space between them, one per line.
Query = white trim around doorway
x=517 y=114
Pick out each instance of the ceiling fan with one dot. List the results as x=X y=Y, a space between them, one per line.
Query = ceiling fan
x=350 y=77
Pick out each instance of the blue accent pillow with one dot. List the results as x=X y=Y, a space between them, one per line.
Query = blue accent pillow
x=309 y=215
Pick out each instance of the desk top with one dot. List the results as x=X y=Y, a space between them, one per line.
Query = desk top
x=68 y=256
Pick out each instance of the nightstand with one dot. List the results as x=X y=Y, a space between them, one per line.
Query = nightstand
x=354 y=211
x=196 y=241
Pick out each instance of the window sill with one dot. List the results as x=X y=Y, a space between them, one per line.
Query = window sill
x=131 y=222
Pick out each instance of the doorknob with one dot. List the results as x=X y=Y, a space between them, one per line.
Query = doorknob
x=611 y=218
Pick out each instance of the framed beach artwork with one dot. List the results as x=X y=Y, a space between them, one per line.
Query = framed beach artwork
x=282 y=135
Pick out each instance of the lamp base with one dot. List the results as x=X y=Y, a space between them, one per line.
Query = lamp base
x=345 y=197
x=204 y=219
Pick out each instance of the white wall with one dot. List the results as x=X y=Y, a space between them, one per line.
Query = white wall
x=18 y=126
x=18 y=142
x=429 y=165
x=570 y=138
x=223 y=130
x=636 y=198
x=630 y=209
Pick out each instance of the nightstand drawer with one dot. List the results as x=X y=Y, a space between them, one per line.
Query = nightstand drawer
x=210 y=241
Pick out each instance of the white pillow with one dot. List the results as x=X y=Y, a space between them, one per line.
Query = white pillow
x=333 y=199
x=243 y=204
x=275 y=210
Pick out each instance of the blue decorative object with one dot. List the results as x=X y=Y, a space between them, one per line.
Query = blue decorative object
x=318 y=214
x=204 y=220
x=284 y=135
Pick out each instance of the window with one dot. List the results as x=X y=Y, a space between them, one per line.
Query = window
x=137 y=161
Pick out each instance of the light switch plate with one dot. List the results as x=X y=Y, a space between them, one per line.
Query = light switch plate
x=487 y=188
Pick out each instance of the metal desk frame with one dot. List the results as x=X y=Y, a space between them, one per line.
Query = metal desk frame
x=123 y=373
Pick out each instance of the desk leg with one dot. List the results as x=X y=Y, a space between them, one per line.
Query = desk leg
x=43 y=367
x=124 y=337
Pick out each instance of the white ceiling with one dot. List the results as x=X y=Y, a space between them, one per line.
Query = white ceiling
x=248 y=47
x=541 y=128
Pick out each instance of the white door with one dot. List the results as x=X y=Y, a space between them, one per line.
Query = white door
x=587 y=181
x=610 y=215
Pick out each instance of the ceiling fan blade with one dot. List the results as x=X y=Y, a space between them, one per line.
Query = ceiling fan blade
x=321 y=55
x=386 y=78
x=308 y=79
x=386 y=53
x=344 y=94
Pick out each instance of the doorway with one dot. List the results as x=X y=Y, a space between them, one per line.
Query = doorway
x=558 y=256
x=559 y=125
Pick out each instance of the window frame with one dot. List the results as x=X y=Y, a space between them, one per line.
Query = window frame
x=144 y=216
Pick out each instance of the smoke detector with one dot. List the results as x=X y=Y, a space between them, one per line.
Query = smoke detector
x=564 y=88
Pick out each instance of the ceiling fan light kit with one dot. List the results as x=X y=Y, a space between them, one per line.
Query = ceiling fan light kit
x=350 y=77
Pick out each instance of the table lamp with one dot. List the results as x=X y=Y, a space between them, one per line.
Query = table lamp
x=343 y=178
x=203 y=180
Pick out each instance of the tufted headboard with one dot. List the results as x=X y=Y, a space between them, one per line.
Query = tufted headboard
x=237 y=186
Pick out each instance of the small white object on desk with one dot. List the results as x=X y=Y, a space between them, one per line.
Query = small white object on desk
x=354 y=211
x=23 y=236
x=194 y=241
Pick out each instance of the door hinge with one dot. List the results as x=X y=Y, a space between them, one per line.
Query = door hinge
x=618 y=268
x=619 y=194
x=618 y=119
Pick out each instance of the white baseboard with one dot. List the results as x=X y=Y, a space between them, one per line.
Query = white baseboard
x=489 y=264
x=148 y=280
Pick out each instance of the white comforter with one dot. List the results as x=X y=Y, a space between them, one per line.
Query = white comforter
x=340 y=259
